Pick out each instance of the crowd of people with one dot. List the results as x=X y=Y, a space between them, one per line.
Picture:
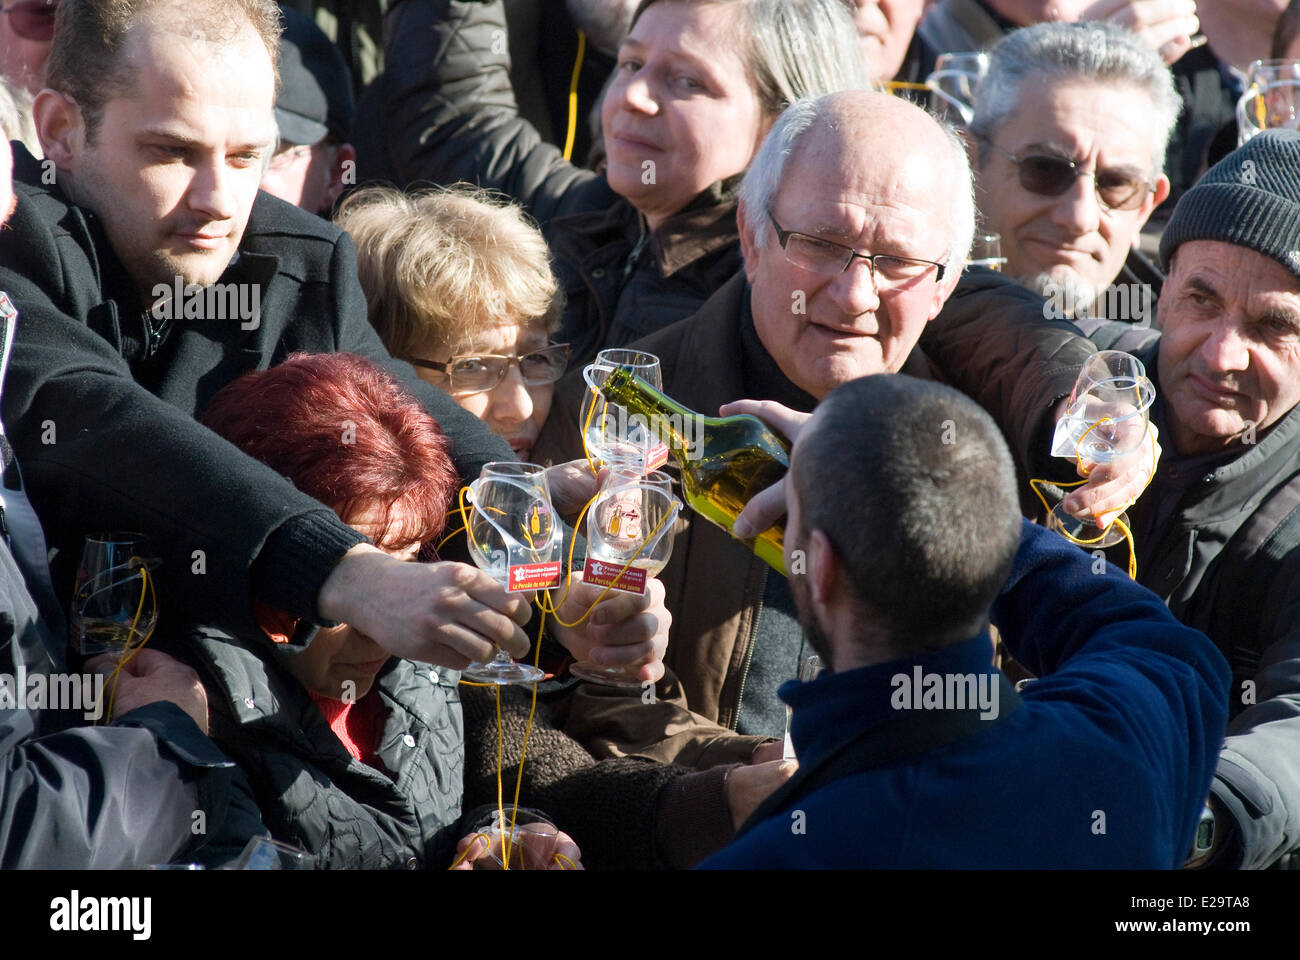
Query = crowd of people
x=272 y=298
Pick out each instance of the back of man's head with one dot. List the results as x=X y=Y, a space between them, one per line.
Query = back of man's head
x=86 y=57
x=914 y=487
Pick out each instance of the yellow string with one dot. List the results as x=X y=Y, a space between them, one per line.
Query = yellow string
x=895 y=85
x=562 y=859
x=131 y=649
x=573 y=97
x=586 y=450
x=1123 y=527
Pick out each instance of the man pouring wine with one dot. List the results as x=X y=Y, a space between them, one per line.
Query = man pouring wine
x=855 y=219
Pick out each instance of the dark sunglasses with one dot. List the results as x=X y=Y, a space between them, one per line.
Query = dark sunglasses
x=1049 y=175
x=32 y=19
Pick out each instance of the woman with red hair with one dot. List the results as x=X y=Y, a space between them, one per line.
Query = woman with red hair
x=353 y=754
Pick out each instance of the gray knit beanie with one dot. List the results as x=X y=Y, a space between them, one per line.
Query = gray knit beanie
x=1250 y=198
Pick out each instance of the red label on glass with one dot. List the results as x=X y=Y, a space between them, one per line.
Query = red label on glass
x=533 y=576
x=603 y=574
x=656 y=457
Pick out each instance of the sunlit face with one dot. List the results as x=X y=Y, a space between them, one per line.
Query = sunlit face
x=1230 y=347
x=513 y=409
x=885 y=28
x=174 y=168
x=681 y=112
x=340 y=662
x=826 y=330
x=1070 y=239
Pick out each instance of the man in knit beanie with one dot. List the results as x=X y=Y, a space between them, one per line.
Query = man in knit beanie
x=1218 y=530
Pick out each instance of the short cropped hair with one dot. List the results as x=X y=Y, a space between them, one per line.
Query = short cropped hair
x=86 y=61
x=914 y=486
x=766 y=171
x=347 y=433
x=441 y=265
x=795 y=48
x=1101 y=53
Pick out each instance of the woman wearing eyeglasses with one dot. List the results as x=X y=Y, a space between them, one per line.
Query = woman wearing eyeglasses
x=459 y=285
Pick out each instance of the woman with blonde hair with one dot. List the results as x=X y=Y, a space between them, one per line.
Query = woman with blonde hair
x=459 y=284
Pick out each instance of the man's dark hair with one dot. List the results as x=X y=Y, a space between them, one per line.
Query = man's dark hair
x=86 y=61
x=914 y=486
x=1288 y=26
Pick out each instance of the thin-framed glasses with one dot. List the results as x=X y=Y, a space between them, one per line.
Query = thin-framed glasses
x=288 y=155
x=827 y=257
x=478 y=373
x=32 y=19
x=1050 y=175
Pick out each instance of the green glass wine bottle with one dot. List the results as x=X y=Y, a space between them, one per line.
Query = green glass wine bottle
x=724 y=461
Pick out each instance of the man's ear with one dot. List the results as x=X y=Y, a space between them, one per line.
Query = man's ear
x=748 y=243
x=342 y=172
x=824 y=568
x=1154 y=200
x=60 y=127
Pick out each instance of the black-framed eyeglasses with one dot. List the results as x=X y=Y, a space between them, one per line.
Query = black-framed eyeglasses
x=1050 y=175
x=32 y=19
x=478 y=373
x=827 y=257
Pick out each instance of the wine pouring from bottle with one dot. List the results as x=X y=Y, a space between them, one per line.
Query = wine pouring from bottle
x=724 y=461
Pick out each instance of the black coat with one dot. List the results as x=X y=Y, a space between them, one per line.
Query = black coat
x=106 y=430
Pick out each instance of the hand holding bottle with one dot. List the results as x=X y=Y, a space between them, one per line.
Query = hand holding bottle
x=768 y=506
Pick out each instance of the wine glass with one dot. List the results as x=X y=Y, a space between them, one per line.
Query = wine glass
x=608 y=432
x=629 y=539
x=986 y=251
x=1271 y=99
x=521 y=840
x=1106 y=421
x=953 y=84
x=113 y=604
x=515 y=537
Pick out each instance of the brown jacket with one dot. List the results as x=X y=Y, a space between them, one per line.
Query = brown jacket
x=990 y=340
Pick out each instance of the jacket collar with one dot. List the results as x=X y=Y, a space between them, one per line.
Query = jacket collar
x=837 y=706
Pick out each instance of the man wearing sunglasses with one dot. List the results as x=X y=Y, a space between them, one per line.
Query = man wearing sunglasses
x=1071 y=126
x=26 y=28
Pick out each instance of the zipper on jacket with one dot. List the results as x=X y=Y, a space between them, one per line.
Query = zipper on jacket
x=638 y=249
x=749 y=650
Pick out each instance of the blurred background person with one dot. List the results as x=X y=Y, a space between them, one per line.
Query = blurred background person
x=1070 y=128
x=314 y=110
x=26 y=29
x=644 y=243
x=459 y=285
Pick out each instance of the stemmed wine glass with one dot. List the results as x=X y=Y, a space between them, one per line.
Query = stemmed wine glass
x=608 y=432
x=111 y=607
x=514 y=536
x=629 y=525
x=1105 y=422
